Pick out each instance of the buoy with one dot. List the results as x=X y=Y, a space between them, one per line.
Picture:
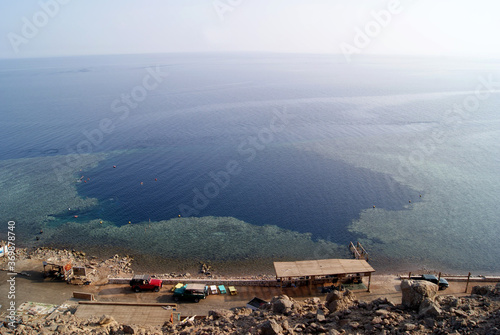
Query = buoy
x=141 y=183
x=373 y=206
x=129 y=222
x=179 y=215
x=75 y=216
x=100 y=222
x=409 y=201
x=420 y=195
x=114 y=166
x=156 y=179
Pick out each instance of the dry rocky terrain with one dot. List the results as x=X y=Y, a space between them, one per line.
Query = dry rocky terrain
x=341 y=313
x=422 y=311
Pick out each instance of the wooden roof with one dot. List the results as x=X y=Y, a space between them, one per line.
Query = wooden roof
x=321 y=267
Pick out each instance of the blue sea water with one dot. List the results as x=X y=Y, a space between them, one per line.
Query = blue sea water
x=304 y=142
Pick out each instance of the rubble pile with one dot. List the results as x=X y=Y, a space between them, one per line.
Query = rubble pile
x=97 y=271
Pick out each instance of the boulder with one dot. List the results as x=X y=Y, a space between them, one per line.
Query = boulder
x=334 y=295
x=383 y=313
x=483 y=290
x=409 y=327
x=339 y=300
x=243 y=311
x=62 y=329
x=220 y=314
x=320 y=315
x=416 y=291
x=451 y=301
x=282 y=304
x=429 y=308
x=126 y=329
x=270 y=327
x=461 y=313
x=106 y=320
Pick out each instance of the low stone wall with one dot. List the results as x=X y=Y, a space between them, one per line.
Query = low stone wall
x=274 y=283
x=477 y=279
x=228 y=282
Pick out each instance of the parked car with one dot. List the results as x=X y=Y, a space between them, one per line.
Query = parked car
x=145 y=282
x=442 y=283
x=193 y=292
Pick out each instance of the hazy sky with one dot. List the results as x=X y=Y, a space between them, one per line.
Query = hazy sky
x=416 y=27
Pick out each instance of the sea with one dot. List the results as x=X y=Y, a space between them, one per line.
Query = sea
x=398 y=153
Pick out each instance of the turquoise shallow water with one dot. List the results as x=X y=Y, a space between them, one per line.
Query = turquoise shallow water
x=300 y=143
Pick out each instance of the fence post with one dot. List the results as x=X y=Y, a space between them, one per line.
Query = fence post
x=467 y=285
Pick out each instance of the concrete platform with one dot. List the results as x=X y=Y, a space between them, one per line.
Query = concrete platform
x=139 y=315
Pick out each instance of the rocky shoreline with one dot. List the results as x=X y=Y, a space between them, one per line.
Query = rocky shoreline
x=100 y=270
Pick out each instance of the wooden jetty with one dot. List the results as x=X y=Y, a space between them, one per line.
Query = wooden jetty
x=358 y=251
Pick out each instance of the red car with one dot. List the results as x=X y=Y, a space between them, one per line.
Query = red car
x=145 y=282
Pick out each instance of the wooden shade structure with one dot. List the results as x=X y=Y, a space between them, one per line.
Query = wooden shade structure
x=323 y=268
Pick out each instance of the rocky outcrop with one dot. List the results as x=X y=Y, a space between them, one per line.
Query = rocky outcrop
x=421 y=296
x=486 y=290
x=429 y=308
x=282 y=304
x=339 y=300
x=415 y=292
x=270 y=327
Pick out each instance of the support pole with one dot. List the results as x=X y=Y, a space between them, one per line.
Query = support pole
x=369 y=281
x=311 y=279
x=467 y=285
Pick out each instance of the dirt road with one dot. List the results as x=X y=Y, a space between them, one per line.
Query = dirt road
x=37 y=289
